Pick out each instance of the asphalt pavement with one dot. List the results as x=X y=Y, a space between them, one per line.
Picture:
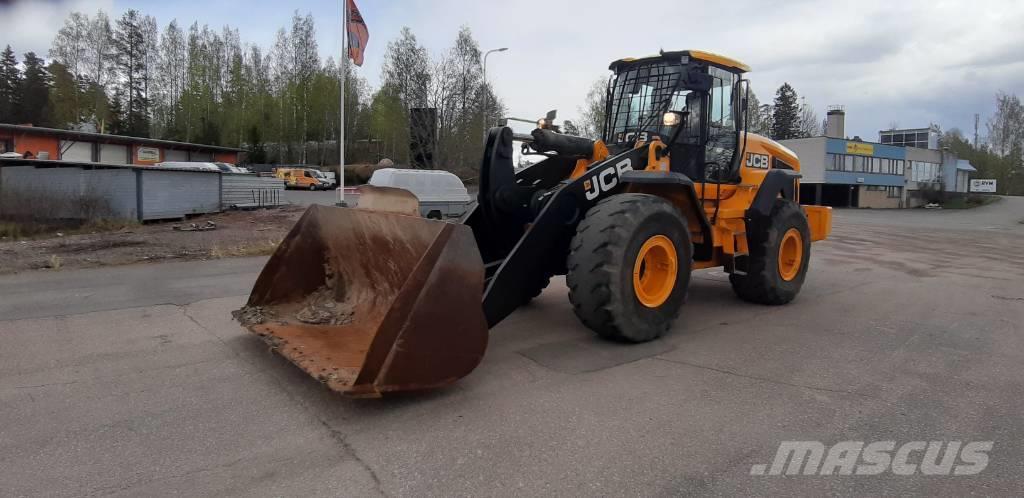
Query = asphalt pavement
x=135 y=381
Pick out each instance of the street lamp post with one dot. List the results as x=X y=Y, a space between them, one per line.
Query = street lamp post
x=484 y=110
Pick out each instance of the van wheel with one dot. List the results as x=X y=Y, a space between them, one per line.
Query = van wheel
x=434 y=215
x=312 y=188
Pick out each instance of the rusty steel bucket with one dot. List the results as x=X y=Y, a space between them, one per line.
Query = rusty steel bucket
x=373 y=302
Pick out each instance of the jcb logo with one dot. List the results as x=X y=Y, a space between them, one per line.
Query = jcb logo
x=759 y=161
x=607 y=179
x=642 y=136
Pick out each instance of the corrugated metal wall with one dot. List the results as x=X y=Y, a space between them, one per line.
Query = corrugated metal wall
x=70 y=192
x=76 y=192
x=250 y=190
x=174 y=194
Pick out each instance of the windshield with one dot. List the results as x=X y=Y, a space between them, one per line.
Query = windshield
x=639 y=97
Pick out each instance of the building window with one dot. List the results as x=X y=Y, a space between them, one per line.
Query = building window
x=894 y=192
x=919 y=139
x=924 y=172
x=863 y=164
x=830 y=162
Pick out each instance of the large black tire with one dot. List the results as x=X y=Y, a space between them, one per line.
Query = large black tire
x=604 y=254
x=764 y=282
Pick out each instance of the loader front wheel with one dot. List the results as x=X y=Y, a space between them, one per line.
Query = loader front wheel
x=629 y=267
x=779 y=250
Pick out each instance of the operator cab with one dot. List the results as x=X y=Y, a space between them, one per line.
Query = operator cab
x=690 y=100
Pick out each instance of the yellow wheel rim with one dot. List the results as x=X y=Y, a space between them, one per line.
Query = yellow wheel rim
x=655 y=270
x=791 y=254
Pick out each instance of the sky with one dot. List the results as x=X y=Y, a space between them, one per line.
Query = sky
x=903 y=62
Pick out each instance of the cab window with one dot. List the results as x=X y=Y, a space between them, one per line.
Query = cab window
x=721 y=145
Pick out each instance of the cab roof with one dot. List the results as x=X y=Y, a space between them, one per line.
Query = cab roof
x=712 y=58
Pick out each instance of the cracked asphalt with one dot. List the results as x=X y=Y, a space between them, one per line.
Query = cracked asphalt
x=135 y=381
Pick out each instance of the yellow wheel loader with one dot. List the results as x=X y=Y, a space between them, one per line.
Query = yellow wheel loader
x=378 y=300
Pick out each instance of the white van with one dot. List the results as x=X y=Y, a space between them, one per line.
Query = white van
x=188 y=165
x=441 y=194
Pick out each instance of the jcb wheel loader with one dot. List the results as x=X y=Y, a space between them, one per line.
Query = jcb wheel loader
x=380 y=300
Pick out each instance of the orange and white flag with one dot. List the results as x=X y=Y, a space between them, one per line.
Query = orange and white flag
x=358 y=35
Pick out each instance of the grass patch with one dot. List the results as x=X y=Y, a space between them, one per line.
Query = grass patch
x=968 y=202
x=264 y=248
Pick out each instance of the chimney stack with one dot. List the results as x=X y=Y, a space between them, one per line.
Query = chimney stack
x=835 y=126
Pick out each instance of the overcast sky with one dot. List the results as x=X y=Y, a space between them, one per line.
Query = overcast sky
x=912 y=62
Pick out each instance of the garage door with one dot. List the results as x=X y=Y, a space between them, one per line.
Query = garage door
x=113 y=154
x=202 y=157
x=175 y=155
x=75 y=151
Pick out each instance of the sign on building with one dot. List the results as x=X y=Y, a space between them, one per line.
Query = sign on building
x=983 y=186
x=148 y=155
x=860 y=148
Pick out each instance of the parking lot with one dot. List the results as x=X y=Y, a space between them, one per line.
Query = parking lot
x=136 y=381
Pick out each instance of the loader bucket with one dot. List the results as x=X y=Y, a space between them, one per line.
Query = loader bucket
x=373 y=302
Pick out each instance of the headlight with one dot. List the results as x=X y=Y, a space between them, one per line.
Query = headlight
x=670 y=119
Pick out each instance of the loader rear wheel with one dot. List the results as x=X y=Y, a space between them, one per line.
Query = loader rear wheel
x=780 y=249
x=629 y=267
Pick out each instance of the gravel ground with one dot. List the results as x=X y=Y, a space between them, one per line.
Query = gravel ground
x=237 y=233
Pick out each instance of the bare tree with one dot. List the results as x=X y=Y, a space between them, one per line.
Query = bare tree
x=592 y=113
x=1006 y=127
x=70 y=46
x=808 y=124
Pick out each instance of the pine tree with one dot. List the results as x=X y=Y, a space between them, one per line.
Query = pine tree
x=35 y=92
x=785 y=114
x=131 y=48
x=10 y=86
x=115 y=123
x=64 y=97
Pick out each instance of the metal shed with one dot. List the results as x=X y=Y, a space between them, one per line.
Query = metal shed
x=76 y=190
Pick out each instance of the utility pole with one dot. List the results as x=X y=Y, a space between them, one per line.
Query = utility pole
x=484 y=110
x=976 y=119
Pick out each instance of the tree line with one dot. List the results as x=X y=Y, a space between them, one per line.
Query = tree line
x=196 y=84
x=1001 y=155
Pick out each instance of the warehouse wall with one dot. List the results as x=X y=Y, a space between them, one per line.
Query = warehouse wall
x=811 y=153
x=878 y=199
x=24 y=142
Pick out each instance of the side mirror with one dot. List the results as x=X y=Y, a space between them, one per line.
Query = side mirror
x=742 y=103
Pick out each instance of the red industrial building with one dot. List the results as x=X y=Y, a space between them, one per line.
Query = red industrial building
x=65 y=145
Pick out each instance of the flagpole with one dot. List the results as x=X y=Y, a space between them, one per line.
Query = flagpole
x=341 y=135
